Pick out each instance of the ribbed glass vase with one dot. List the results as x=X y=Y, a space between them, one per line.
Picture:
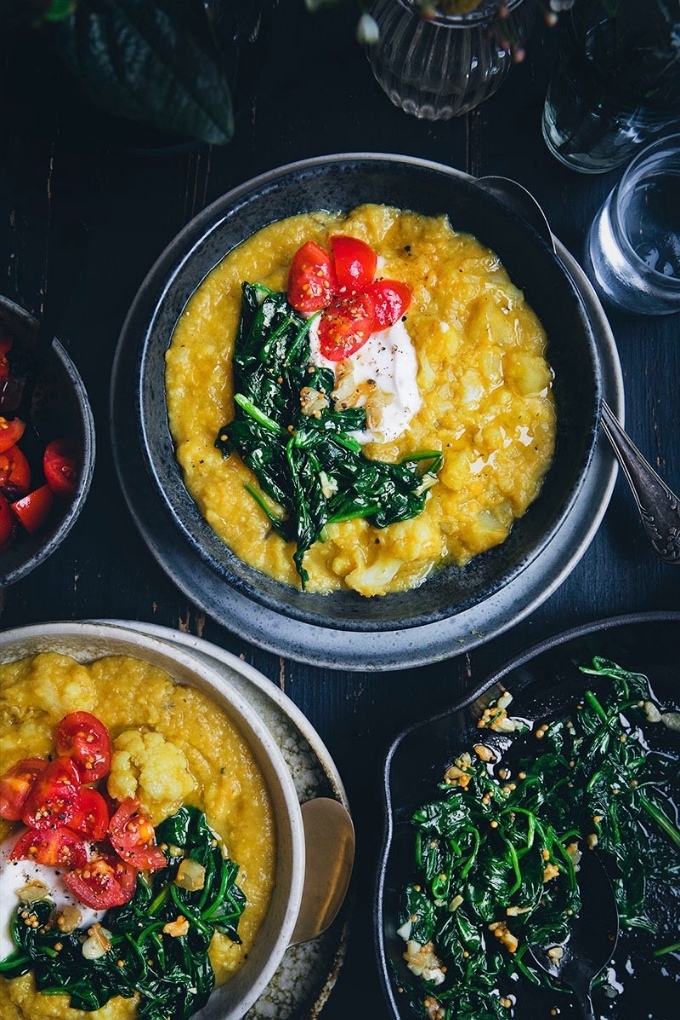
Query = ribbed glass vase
x=435 y=65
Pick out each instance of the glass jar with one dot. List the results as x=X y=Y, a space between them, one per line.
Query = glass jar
x=632 y=253
x=617 y=82
x=437 y=65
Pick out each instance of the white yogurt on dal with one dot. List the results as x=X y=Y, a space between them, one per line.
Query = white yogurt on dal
x=15 y=875
x=389 y=359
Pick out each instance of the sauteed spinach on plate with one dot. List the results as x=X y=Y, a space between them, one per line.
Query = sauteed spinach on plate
x=310 y=470
x=497 y=854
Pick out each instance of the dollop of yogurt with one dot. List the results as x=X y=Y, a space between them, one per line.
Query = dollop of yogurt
x=15 y=875
x=388 y=358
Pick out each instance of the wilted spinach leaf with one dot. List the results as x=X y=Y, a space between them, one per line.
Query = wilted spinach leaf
x=307 y=463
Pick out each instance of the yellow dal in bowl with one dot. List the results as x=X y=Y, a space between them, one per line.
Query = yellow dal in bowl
x=484 y=380
x=195 y=756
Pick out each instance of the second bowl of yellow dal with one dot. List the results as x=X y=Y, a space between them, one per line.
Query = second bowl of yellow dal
x=232 y=770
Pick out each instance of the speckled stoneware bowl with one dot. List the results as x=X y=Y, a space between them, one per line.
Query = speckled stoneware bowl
x=60 y=408
x=89 y=641
x=341 y=183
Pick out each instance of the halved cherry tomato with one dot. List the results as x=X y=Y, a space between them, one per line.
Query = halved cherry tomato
x=132 y=834
x=81 y=737
x=11 y=431
x=355 y=262
x=8 y=523
x=91 y=820
x=391 y=299
x=15 y=472
x=60 y=465
x=16 y=784
x=58 y=847
x=6 y=342
x=34 y=509
x=55 y=797
x=311 y=280
x=346 y=325
x=102 y=883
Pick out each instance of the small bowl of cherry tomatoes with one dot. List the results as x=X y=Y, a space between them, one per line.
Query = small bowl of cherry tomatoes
x=46 y=453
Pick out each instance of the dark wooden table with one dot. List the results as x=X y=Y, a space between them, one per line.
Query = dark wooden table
x=304 y=89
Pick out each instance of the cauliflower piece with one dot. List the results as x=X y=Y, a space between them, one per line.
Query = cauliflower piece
x=147 y=766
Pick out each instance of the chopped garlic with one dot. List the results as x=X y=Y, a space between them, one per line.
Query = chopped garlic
x=422 y=961
x=98 y=942
x=176 y=928
x=33 y=892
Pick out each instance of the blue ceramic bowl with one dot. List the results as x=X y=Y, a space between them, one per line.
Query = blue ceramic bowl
x=341 y=183
x=60 y=408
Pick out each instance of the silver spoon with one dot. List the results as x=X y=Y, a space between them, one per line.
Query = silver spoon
x=659 y=507
x=592 y=939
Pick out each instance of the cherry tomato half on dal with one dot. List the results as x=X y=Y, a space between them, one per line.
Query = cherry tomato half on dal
x=346 y=325
x=81 y=737
x=55 y=796
x=311 y=279
x=131 y=834
x=16 y=784
x=58 y=847
x=102 y=883
x=391 y=299
x=91 y=820
x=355 y=262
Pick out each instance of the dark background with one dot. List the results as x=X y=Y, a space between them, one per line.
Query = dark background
x=304 y=88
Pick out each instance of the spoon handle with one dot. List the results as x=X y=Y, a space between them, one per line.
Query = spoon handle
x=659 y=507
x=585 y=1003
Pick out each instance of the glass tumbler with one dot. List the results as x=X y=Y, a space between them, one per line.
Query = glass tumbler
x=438 y=65
x=633 y=247
x=616 y=84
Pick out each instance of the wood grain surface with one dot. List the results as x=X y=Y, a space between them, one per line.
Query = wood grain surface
x=304 y=88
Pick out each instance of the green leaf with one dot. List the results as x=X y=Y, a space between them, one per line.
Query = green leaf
x=60 y=9
x=151 y=62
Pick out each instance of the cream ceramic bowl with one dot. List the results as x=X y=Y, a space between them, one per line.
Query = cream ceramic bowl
x=89 y=641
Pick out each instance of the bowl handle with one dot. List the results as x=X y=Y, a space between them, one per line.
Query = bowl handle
x=329 y=849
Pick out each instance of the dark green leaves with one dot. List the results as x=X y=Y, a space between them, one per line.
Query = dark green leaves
x=171 y=972
x=151 y=61
x=307 y=463
x=499 y=850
